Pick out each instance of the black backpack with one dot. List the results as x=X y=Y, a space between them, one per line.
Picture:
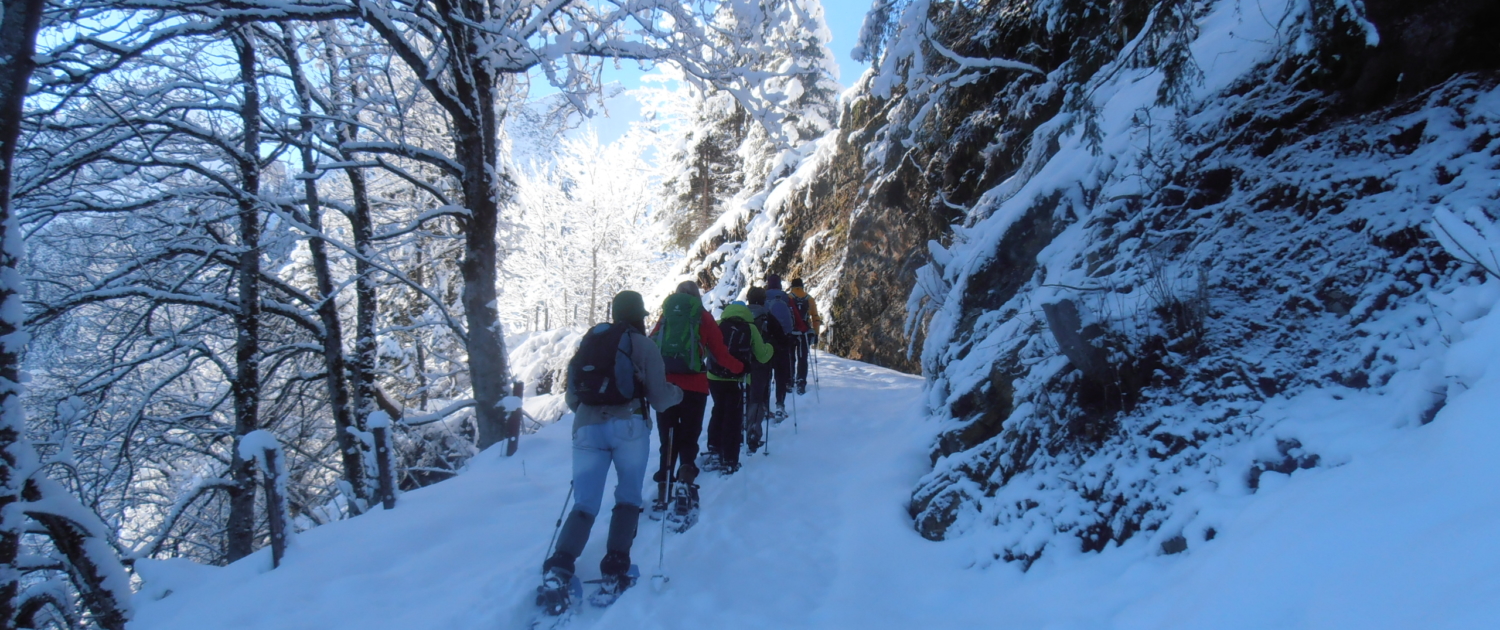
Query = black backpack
x=601 y=372
x=738 y=339
x=770 y=329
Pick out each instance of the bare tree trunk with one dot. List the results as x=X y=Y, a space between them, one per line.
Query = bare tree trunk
x=422 y=375
x=19 y=21
x=362 y=370
x=367 y=306
x=477 y=142
x=240 y=536
x=351 y=447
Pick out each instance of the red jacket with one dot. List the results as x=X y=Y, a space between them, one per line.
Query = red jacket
x=711 y=339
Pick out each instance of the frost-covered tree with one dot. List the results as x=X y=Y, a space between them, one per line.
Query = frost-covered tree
x=467 y=54
x=583 y=231
x=724 y=149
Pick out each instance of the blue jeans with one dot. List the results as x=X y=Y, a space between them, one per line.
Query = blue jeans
x=626 y=444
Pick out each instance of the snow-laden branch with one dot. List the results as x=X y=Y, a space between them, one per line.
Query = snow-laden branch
x=1473 y=237
x=436 y=416
x=447 y=164
x=988 y=63
x=84 y=543
x=453 y=325
x=183 y=502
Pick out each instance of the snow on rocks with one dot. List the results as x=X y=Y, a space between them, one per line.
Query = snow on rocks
x=1257 y=274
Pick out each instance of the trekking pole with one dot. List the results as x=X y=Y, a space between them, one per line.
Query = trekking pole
x=744 y=413
x=659 y=579
x=794 y=415
x=558 y=528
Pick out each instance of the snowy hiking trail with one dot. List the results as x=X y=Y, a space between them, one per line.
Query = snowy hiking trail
x=466 y=553
x=816 y=536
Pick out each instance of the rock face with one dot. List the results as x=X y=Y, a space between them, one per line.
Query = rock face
x=857 y=243
x=1134 y=244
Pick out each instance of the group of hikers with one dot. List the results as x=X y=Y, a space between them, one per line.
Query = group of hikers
x=757 y=346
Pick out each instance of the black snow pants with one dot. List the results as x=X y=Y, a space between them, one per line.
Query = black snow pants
x=679 y=428
x=727 y=420
x=803 y=352
x=758 y=407
x=781 y=370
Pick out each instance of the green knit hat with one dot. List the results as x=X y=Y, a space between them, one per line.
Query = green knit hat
x=628 y=306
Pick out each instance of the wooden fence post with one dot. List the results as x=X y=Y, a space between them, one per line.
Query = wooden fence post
x=383 y=463
x=275 y=505
x=513 y=422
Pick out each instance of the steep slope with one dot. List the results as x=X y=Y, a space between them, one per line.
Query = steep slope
x=814 y=536
x=1132 y=237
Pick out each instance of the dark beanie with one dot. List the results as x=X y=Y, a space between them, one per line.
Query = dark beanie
x=796 y=283
x=757 y=295
x=773 y=281
x=688 y=286
x=628 y=307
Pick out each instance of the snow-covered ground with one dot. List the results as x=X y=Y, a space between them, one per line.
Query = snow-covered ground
x=816 y=536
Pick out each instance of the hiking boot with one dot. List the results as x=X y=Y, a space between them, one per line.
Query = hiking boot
x=616 y=564
x=560 y=562
x=754 y=447
x=729 y=469
x=801 y=388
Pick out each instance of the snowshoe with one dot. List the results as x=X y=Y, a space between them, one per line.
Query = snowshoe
x=612 y=586
x=684 y=512
x=558 y=591
x=710 y=462
x=779 y=416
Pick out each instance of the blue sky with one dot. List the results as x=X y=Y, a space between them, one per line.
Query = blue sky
x=844 y=19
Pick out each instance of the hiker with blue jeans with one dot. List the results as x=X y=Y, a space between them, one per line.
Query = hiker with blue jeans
x=614 y=430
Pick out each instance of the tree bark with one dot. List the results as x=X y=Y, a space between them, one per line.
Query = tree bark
x=477 y=142
x=367 y=306
x=240 y=534
x=18 y=27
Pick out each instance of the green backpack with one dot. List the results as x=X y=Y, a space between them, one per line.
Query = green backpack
x=677 y=337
